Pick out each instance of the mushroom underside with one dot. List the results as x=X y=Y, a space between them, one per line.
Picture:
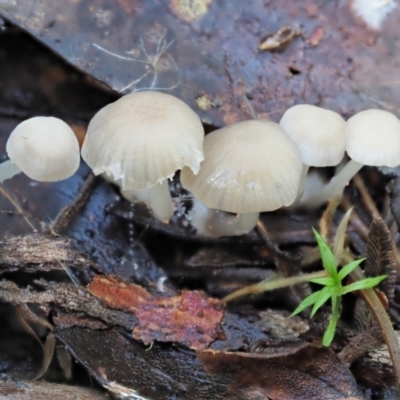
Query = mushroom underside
x=7 y=170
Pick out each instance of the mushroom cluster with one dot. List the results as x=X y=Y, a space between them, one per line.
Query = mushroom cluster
x=372 y=138
x=234 y=173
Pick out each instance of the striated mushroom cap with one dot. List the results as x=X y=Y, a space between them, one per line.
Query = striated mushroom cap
x=373 y=138
x=320 y=134
x=44 y=148
x=143 y=138
x=251 y=166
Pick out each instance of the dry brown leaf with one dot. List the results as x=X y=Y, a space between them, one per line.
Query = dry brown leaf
x=310 y=373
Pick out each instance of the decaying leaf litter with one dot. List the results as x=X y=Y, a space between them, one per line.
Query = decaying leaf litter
x=114 y=238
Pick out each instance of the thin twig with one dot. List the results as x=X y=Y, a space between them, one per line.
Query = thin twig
x=381 y=317
x=386 y=211
x=355 y=219
x=272 y=284
x=280 y=259
x=366 y=197
x=362 y=229
x=66 y=215
x=326 y=219
x=17 y=207
x=69 y=273
x=371 y=206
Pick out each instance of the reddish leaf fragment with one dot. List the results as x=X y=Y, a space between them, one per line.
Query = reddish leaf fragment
x=117 y=294
x=192 y=319
x=316 y=36
x=310 y=373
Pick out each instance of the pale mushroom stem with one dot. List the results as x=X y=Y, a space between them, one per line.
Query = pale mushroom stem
x=160 y=201
x=300 y=190
x=246 y=222
x=157 y=197
x=219 y=223
x=8 y=170
x=214 y=223
x=336 y=185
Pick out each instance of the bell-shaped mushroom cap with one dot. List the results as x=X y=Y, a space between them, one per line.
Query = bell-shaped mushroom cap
x=251 y=166
x=373 y=138
x=319 y=134
x=144 y=138
x=44 y=148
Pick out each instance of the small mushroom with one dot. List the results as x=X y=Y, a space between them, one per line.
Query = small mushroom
x=248 y=167
x=373 y=12
x=44 y=148
x=140 y=141
x=372 y=138
x=320 y=135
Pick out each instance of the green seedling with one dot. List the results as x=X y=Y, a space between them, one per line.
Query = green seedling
x=333 y=287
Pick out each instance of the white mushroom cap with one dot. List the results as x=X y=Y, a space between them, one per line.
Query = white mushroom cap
x=144 y=138
x=44 y=148
x=319 y=134
x=373 y=138
x=251 y=166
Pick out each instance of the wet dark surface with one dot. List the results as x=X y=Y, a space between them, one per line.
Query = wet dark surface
x=124 y=360
x=208 y=54
x=294 y=377
x=35 y=82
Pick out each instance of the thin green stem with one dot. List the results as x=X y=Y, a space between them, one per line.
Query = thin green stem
x=381 y=317
x=272 y=284
x=330 y=331
x=18 y=207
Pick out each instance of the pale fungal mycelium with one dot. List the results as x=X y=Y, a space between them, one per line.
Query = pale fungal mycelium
x=44 y=148
x=249 y=167
x=319 y=134
x=140 y=141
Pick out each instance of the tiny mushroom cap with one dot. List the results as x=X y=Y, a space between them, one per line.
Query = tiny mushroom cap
x=319 y=134
x=373 y=138
x=44 y=148
x=144 y=138
x=141 y=140
x=248 y=167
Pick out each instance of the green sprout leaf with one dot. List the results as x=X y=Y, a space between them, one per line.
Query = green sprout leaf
x=328 y=281
x=324 y=296
x=366 y=283
x=333 y=288
x=328 y=259
x=349 y=268
x=307 y=302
